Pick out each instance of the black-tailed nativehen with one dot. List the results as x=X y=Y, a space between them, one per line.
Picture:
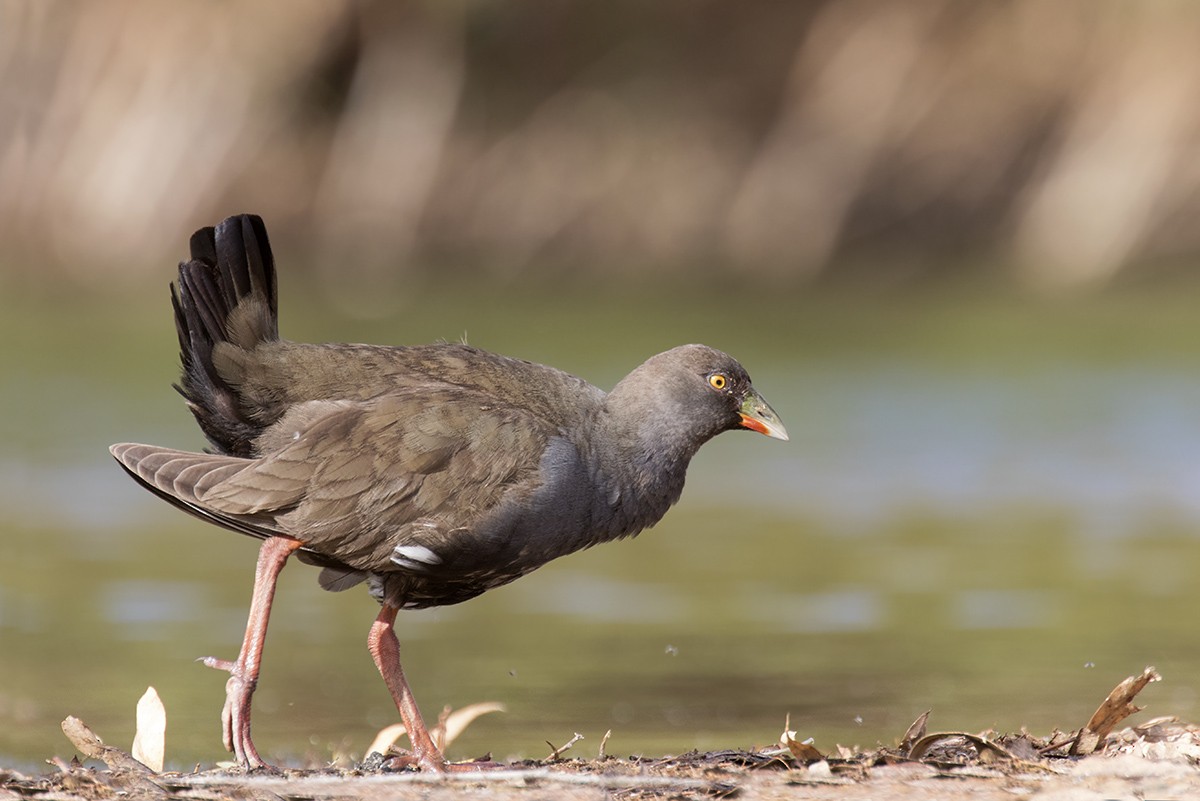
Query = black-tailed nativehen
x=431 y=472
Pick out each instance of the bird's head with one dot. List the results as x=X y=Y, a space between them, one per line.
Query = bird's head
x=693 y=393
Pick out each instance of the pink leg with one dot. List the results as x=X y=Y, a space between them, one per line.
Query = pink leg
x=385 y=649
x=243 y=673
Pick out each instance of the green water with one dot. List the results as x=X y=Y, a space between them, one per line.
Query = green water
x=988 y=508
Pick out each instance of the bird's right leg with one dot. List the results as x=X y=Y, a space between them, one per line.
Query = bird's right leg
x=385 y=649
x=243 y=673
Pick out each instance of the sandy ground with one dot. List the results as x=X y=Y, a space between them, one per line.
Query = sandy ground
x=744 y=776
x=1158 y=760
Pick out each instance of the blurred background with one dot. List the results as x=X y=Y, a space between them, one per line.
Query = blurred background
x=953 y=242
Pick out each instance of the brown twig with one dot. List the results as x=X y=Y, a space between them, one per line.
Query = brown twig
x=92 y=747
x=555 y=753
x=603 y=743
x=439 y=731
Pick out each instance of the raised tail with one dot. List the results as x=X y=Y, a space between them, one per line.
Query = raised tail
x=225 y=297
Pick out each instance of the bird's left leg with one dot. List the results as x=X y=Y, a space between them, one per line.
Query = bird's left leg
x=243 y=672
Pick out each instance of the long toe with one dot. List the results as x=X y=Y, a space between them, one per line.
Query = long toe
x=235 y=720
x=243 y=747
x=227 y=738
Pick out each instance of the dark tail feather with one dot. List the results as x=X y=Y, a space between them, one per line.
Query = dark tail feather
x=225 y=293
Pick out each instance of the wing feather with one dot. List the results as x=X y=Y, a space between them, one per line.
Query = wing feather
x=417 y=467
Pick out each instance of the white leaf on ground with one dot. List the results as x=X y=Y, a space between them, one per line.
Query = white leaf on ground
x=149 y=742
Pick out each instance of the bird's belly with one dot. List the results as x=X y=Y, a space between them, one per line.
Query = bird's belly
x=569 y=511
x=484 y=560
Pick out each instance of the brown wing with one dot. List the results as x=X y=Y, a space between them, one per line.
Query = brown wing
x=422 y=469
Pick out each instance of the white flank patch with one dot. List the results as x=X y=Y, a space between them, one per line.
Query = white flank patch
x=415 y=557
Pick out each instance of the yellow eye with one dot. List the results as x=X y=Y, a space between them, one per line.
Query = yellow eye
x=717 y=381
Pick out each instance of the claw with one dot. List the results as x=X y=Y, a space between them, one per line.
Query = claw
x=219 y=664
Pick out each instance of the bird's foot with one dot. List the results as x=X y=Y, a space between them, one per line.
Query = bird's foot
x=235 y=714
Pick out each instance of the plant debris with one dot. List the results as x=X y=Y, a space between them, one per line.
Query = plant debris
x=451 y=723
x=150 y=737
x=1157 y=758
x=1116 y=707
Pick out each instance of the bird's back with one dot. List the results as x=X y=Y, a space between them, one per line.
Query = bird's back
x=240 y=379
x=275 y=376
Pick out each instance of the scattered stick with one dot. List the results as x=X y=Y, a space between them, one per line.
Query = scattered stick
x=439 y=731
x=92 y=747
x=555 y=753
x=1058 y=742
x=604 y=742
x=127 y=778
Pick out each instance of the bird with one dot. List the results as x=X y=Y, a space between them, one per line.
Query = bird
x=431 y=473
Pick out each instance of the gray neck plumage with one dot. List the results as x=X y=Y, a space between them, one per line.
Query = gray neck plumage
x=642 y=457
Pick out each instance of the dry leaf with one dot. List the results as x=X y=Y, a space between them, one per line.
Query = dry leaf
x=987 y=750
x=1120 y=700
x=385 y=738
x=915 y=732
x=804 y=752
x=455 y=723
x=149 y=741
x=459 y=719
x=1116 y=707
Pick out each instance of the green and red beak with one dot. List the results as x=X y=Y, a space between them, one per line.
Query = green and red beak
x=757 y=415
